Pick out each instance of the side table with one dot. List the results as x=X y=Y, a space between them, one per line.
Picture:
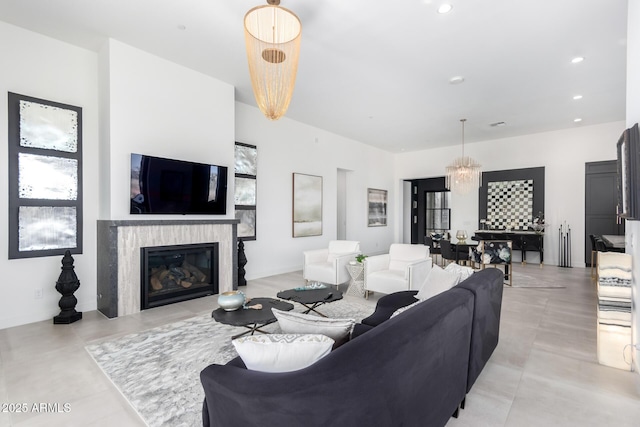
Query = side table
x=356 y=286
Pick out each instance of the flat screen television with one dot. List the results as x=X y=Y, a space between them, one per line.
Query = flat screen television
x=168 y=186
x=628 y=148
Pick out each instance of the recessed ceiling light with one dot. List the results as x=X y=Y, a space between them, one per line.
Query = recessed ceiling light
x=576 y=97
x=577 y=120
x=445 y=8
x=577 y=60
x=456 y=80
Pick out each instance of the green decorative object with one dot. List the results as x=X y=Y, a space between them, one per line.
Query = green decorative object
x=360 y=257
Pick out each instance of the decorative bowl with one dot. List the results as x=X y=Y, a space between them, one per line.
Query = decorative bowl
x=231 y=300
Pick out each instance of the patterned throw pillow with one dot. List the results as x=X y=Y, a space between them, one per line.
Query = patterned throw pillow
x=282 y=352
x=299 y=323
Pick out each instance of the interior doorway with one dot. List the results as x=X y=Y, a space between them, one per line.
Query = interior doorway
x=601 y=200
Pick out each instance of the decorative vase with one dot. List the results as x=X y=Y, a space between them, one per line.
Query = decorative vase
x=461 y=235
x=231 y=300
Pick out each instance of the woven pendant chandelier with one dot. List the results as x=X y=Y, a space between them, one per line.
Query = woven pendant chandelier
x=272 y=35
x=463 y=174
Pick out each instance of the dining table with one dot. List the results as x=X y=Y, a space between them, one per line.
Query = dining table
x=461 y=247
x=614 y=243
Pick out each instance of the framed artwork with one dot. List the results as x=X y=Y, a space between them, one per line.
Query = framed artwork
x=246 y=189
x=509 y=198
x=377 y=203
x=45 y=177
x=247 y=225
x=307 y=205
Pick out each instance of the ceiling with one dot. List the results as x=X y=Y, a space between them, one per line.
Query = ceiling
x=379 y=71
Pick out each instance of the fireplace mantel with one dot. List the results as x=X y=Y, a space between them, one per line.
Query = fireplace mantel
x=119 y=244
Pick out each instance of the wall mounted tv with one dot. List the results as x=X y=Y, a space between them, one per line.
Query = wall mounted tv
x=168 y=186
x=628 y=148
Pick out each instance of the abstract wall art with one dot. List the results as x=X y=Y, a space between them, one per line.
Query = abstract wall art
x=307 y=205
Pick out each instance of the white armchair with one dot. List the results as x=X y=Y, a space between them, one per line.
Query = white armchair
x=404 y=268
x=330 y=265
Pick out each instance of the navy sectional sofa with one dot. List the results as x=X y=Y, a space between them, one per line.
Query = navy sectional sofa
x=410 y=370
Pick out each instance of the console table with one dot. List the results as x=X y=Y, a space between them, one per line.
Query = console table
x=522 y=240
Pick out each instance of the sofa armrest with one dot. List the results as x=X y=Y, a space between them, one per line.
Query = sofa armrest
x=417 y=272
x=343 y=259
x=376 y=263
x=387 y=305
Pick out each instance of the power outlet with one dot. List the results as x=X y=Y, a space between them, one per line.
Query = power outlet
x=37 y=294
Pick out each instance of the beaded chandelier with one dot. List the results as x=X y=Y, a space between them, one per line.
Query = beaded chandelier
x=463 y=174
x=272 y=36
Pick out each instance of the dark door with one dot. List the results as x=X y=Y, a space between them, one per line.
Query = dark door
x=600 y=203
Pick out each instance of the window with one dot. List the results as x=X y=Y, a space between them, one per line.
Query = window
x=45 y=177
x=437 y=212
x=246 y=170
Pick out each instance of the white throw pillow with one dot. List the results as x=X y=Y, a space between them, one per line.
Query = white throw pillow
x=463 y=272
x=436 y=282
x=405 y=308
x=299 y=323
x=282 y=352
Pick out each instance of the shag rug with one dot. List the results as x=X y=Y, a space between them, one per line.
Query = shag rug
x=158 y=370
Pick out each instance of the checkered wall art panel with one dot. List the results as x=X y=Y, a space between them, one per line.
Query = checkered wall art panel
x=510 y=203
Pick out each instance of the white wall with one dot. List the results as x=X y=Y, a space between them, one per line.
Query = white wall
x=148 y=105
x=159 y=108
x=285 y=147
x=633 y=116
x=45 y=68
x=562 y=153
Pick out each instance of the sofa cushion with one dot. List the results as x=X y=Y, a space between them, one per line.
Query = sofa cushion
x=282 y=352
x=437 y=282
x=299 y=323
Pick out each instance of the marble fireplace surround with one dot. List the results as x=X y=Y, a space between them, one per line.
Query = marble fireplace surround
x=119 y=244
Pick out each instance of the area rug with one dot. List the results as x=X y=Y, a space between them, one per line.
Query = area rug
x=158 y=370
x=521 y=280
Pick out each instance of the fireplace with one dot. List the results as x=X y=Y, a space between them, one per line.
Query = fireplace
x=177 y=273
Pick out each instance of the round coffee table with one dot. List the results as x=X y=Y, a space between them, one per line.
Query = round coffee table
x=252 y=319
x=311 y=298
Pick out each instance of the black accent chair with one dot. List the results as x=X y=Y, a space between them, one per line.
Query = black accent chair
x=594 y=253
x=449 y=254
x=446 y=251
x=434 y=249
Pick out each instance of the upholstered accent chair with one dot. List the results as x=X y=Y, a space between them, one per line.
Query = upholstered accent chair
x=434 y=248
x=404 y=268
x=494 y=252
x=329 y=265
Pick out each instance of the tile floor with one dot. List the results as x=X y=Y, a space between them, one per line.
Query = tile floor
x=543 y=373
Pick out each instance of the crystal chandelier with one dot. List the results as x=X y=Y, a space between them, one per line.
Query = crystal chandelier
x=464 y=173
x=272 y=35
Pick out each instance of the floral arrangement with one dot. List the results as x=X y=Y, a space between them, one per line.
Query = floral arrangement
x=538 y=223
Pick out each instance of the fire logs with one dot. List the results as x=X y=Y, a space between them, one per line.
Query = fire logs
x=185 y=276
